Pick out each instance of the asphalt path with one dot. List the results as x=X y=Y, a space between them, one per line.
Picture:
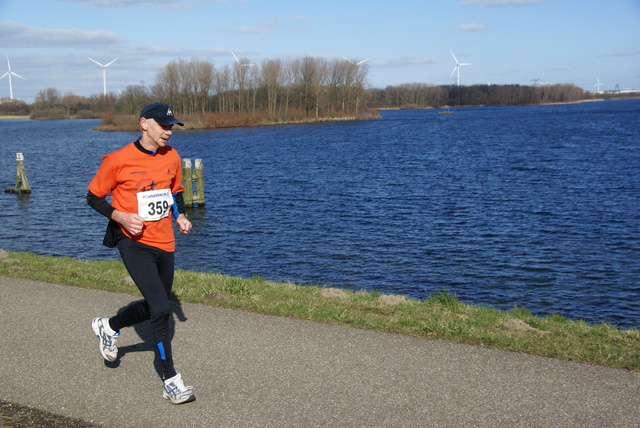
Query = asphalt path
x=251 y=370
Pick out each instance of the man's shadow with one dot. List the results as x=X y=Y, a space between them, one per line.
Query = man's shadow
x=143 y=330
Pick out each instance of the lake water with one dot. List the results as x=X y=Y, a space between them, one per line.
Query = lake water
x=534 y=207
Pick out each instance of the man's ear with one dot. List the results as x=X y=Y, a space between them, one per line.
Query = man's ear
x=143 y=123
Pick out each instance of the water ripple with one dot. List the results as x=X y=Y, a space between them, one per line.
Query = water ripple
x=532 y=207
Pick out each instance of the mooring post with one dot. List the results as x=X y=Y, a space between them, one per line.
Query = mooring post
x=22 y=183
x=187 y=182
x=199 y=176
x=193 y=182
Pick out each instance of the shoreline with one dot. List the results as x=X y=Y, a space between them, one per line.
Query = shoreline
x=108 y=128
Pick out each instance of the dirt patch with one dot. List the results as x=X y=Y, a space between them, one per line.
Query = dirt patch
x=127 y=280
x=334 y=293
x=393 y=300
x=217 y=296
x=4 y=257
x=516 y=324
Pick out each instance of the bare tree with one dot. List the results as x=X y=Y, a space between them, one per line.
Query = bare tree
x=288 y=85
x=271 y=79
x=309 y=75
x=48 y=97
x=133 y=98
x=321 y=76
x=356 y=78
x=224 y=89
x=243 y=78
x=337 y=78
x=186 y=85
x=202 y=77
x=167 y=86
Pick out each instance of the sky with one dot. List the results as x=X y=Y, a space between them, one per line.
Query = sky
x=524 y=42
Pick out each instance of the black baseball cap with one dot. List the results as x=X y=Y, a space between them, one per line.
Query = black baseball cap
x=161 y=113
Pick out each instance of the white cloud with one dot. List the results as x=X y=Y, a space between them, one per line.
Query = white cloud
x=176 y=52
x=244 y=30
x=262 y=28
x=405 y=60
x=470 y=27
x=16 y=35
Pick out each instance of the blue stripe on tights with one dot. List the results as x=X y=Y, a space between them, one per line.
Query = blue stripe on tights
x=161 y=349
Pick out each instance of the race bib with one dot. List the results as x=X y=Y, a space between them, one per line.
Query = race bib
x=154 y=204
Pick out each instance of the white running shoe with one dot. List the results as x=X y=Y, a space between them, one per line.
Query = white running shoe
x=175 y=390
x=108 y=348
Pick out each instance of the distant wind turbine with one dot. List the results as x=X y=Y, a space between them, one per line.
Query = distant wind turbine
x=598 y=84
x=355 y=64
x=10 y=73
x=104 y=72
x=457 y=67
x=241 y=70
x=241 y=64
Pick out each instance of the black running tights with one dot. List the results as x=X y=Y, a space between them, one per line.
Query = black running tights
x=152 y=271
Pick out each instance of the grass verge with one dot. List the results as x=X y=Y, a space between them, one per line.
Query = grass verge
x=440 y=317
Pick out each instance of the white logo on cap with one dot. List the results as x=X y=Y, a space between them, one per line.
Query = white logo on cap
x=169 y=113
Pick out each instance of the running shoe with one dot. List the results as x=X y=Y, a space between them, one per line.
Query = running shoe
x=108 y=348
x=175 y=391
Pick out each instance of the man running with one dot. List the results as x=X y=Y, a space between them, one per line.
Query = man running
x=144 y=180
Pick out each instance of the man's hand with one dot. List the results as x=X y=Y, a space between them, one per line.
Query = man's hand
x=184 y=224
x=133 y=223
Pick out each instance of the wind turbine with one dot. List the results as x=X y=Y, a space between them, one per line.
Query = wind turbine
x=355 y=64
x=241 y=71
x=241 y=64
x=457 y=67
x=10 y=73
x=104 y=72
x=598 y=84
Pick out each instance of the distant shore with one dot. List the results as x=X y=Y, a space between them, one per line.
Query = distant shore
x=198 y=126
x=130 y=123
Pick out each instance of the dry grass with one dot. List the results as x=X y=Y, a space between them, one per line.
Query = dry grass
x=208 y=120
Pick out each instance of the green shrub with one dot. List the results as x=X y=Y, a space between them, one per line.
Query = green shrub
x=49 y=114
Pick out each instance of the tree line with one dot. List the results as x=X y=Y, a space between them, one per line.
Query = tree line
x=275 y=90
x=420 y=95
x=308 y=87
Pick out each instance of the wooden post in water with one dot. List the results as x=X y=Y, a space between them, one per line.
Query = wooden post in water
x=187 y=182
x=199 y=177
x=22 y=183
x=193 y=182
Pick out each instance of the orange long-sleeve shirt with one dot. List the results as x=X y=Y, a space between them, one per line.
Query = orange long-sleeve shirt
x=131 y=170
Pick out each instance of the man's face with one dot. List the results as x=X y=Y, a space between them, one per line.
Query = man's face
x=158 y=134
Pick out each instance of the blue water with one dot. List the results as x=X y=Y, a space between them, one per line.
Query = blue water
x=534 y=207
